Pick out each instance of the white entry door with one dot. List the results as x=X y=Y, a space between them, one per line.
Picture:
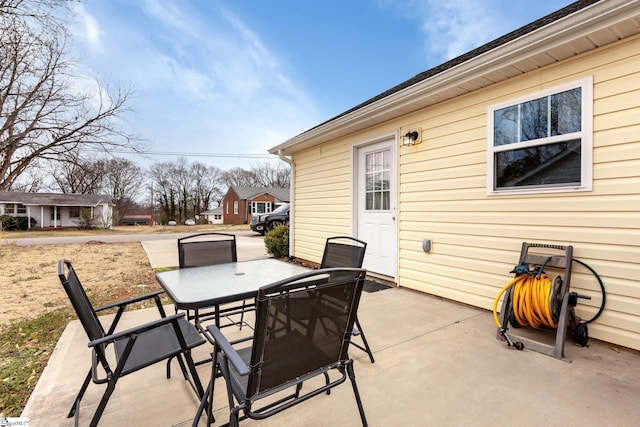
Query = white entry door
x=376 y=196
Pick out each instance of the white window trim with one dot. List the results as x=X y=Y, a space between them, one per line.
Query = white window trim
x=268 y=205
x=235 y=207
x=586 y=137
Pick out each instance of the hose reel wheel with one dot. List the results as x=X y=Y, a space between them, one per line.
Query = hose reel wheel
x=581 y=334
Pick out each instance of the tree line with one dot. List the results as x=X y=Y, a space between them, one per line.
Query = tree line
x=51 y=130
x=172 y=190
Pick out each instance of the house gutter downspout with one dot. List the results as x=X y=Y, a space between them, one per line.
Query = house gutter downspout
x=292 y=165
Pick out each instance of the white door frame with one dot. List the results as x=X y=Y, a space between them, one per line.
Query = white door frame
x=355 y=149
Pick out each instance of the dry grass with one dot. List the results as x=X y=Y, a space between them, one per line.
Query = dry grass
x=29 y=285
x=35 y=309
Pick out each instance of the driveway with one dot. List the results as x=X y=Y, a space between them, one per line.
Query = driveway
x=116 y=238
x=161 y=249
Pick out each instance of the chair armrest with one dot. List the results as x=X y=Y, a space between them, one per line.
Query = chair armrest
x=126 y=302
x=137 y=330
x=232 y=355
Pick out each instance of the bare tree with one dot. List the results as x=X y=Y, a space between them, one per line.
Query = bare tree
x=183 y=190
x=34 y=180
x=74 y=174
x=272 y=175
x=165 y=190
x=264 y=174
x=43 y=115
x=239 y=177
x=207 y=187
x=123 y=181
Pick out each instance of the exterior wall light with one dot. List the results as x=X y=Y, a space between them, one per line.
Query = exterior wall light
x=411 y=138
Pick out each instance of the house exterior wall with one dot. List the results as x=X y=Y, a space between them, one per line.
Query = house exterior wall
x=214 y=217
x=477 y=237
x=243 y=215
x=43 y=217
x=229 y=215
x=322 y=197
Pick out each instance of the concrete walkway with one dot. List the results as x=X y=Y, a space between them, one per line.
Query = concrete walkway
x=437 y=364
x=164 y=252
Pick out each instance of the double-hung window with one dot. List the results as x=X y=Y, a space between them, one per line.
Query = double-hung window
x=542 y=142
x=16 y=209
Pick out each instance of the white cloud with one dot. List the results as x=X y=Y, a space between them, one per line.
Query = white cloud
x=458 y=26
x=89 y=30
x=202 y=79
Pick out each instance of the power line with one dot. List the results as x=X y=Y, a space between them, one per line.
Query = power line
x=184 y=154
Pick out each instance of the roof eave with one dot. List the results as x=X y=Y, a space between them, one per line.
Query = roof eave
x=452 y=81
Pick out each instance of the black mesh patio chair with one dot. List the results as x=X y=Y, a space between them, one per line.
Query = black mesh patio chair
x=199 y=250
x=346 y=251
x=134 y=348
x=203 y=249
x=267 y=377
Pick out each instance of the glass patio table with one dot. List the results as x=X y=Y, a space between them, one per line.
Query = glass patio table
x=196 y=288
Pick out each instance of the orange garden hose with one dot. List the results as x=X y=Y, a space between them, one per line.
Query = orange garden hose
x=530 y=300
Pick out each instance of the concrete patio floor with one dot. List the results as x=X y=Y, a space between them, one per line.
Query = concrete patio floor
x=437 y=364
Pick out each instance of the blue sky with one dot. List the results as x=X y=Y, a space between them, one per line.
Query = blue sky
x=220 y=78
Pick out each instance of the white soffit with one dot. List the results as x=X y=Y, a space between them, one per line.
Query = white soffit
x=600 y=24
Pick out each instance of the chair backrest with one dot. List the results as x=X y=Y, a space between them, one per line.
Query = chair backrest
x=80 y=301
x=207 y=249
x=343 y=251
x=303 y=327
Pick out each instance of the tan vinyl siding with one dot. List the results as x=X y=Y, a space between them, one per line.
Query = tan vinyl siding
x=477 y=237
x=322 y=198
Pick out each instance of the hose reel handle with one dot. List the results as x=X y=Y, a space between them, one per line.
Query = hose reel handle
x=547 y=245
x=573 y=298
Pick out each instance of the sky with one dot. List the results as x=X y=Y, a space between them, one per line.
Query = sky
x=223 y=81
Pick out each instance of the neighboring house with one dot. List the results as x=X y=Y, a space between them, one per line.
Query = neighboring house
x=241 y=202
x=532 y=137
x=213 y=216
x=52 y=210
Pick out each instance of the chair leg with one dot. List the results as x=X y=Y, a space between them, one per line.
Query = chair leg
x=204 y=407
x=366 y=347
x=352 y=377
x=244 y=303
x=194 y=373
x=169 y=367
x=111 y=385
x=76 y=403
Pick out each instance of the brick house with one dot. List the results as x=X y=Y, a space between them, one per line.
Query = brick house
x=241 y=202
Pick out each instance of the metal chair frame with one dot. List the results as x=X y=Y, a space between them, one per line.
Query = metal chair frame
x=211 y=248
x=287 y=351
x=172 y=336
x=347 y=251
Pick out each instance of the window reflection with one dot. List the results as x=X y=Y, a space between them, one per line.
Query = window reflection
x=552 y=115
x=542 y=165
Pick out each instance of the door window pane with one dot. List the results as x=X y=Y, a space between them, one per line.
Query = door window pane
x=378 y=175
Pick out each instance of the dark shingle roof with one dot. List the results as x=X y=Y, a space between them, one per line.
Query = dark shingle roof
x=248 y=193
x=546 y=20
x=53 y=199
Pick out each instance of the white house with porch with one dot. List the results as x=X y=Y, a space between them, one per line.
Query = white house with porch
x=53 y=210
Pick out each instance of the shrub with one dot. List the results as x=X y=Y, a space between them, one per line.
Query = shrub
x=277 y=241
x=12 y=223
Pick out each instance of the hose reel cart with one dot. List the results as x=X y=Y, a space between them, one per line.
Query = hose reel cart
x=539 y=295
